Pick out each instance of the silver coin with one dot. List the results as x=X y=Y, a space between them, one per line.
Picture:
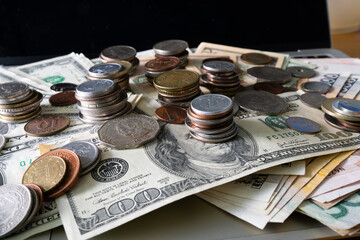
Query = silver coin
x=2 y=142
x=104 y=69
x=232 y=76
x=217 y=120
x=94 y=104
x=20 y=111
x=86 y=151
x=38 y=110
x=220 y=135
x=209 y=140
x=349 y=110
x=170 y=47
x=204 y=79
x=101 y=99
x=206 y=131
x=119 y=52
x=211 y=104
x=15 y=206
x=313 y=100
x=95 y=88
x=219 y=66
x=34 y=208
x=12 y=89
x=27 y=95
x=303 y=125
x=130 y=131
x=101 y=120
x=301 y=72
x=91 y=167
x=315 y=87
x=271 y=74
x=261 y=103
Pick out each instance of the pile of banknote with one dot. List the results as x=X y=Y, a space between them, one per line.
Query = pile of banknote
x=263 y=174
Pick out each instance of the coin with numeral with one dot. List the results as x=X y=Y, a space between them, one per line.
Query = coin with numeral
x=47 y=125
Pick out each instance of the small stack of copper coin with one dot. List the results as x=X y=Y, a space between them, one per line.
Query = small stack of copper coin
x=157 y=66
x=210 y=118
x=118 y=71
x=177 y=87
x=120 y=53
x=18 y=103
x=100 y=100
x=220 y=76
x=176 y=48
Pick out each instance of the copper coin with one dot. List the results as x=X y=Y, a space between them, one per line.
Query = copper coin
x=46 y=125
x=38 y=191
x=63 y=98
x=349 y=125
x=162 y=64
x=72 y=172
x=271 y=87
x=171 y=114
x=255 y=58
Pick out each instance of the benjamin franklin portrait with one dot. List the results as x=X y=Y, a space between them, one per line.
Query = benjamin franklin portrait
x=178 y=153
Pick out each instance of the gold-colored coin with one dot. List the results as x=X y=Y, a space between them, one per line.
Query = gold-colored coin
x=36 y=96
x=327 y=107
x=178 y=93
x=176 y=80
x=20 y=117
x=46 y=172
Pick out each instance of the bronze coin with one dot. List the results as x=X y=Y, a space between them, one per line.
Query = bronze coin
x=38 y=191
x=171 y=114
x=72 y=172
x=255 y=58
x=63 y=98
x=46 y=125
x=162 y=64
x=271 y=87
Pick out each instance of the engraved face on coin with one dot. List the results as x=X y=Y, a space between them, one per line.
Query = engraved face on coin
x=63 y=99
x=86 y=151
x=315 y=87
x=61 y=87
x=271 y=74
x=211 y=104
x=170 y=47
x=119 y=52
x=301 y=72
x=171 y=114
x=219 y=66
x=46 y=172
x=95 y=88
x=104 y=69
x=255 y=58
x=313 y=100
x=130 y=131
x=303 y=125
x=12 y=89
x=46 y=125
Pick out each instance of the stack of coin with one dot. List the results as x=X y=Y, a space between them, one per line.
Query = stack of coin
x=221 y=77
x=18 y=103
x=100 y=100
x=210 y=118
x=342 y=113
x=118 y=71
x=175 y=48
x=177 y=87
x=157 y=66
x=120 y=53
x=19 y=205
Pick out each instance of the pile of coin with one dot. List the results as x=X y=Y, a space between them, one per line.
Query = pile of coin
x=100 y=100
x=120 y=53
x=342 y=113
x=175 y=48
x=177 y=87
x=157 y=66
x=19 y=205
x=118 y=71
x=210 y=118
x=18 y=103
x=220 y=76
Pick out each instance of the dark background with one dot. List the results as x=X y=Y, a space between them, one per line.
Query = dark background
x=38 y=28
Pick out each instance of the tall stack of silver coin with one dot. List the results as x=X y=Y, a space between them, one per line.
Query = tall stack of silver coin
x=101 y=100
x=118 y=71
x=174 y=47
x=120 y=53
x=20 y=204
x=18 y=103
x=210 y=118
x=220 y=76
x=342 y=113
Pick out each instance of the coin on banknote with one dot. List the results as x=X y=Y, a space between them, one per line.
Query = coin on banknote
x=12 y=89
x=171 y=114
x=349 y=107
x=119 y=52
x=46 y=172
x=61 y=87
x=63 y=98
x=344 y=112
x=255 y=58
x=303 y=125
x=330 y=107
x=176 y=80
x=334 y=122
x=16 y=203
x=315 y=87
x=130 y=131
x=272 y=74
x=39 y=193
x=72 y=171
x=95 y=88
x=301 y=72
x=219 y=66
x=104 y=69
x=313 y=100
x=271 y=87
x=47 y=125
x=34 y=207
x=261 y=103
x=211 y=104
x=170 y=47
x=87 y=152
x=91 y=167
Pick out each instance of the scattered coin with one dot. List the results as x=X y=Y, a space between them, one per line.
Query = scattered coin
x=301 y=72
x=272 y=74
x=63 y=99
x=130 y=131
x=271 y=87
x=313 y=100
x=47 y=125
x=303 y=125
x=255 y=58
x=315 y=87
x=61 y=87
